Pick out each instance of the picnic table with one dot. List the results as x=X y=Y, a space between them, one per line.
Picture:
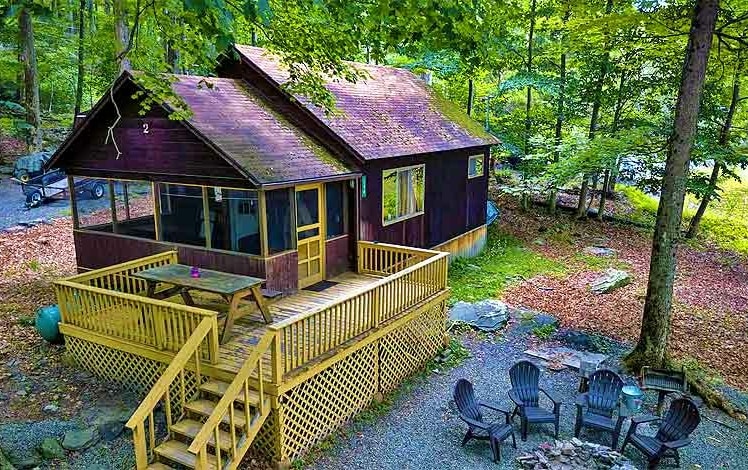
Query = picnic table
x=233 y=288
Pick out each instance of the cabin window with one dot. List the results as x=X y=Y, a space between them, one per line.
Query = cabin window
x=402 y=193
x=134 y=209
x=335 y=205
x=93 y=204
x=280 y=225
x=182 y=214
x=475 y=166
x=234 y=218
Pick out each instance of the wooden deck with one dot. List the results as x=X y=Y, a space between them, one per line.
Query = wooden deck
x=248 y=329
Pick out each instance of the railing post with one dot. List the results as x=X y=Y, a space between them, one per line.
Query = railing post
x=276 y=357
x=376 y=305
x=213 y=342
x=141 y=452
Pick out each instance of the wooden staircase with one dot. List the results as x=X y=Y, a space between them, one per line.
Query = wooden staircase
x=216 y=424
x=175 y=449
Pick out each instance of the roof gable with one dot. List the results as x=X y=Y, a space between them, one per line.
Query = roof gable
x=389 y=114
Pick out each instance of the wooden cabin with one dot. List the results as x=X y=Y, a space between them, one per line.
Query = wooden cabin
x=345 y=217
x=257 y=182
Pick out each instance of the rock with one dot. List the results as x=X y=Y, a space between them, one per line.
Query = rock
x=612 y=279
x=599 y=251
x=486 y=315
x=111 y=430
x=27 y=461
x=50 y=449
x=543 y=319
x=51 y=408
x=80 y=439
x=539 y=242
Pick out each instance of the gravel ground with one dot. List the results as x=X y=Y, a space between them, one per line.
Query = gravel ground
x=13 y=209
x=19 y=439
x=422 y=431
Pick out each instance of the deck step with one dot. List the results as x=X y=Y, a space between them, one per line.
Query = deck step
x=178 y=452
x=190 y=428
x=158 y=466
x=218 y=388
x=206 y=407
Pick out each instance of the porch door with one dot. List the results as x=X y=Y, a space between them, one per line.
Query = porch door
x=310 y=233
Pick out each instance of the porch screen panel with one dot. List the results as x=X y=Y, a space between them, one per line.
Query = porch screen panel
x=234 y=220
x=182 y=214
x=281 y=228
x=335 y=207
x=93 y=204
x=134 y=209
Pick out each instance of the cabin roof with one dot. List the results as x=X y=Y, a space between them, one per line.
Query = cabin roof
x=390 y=113
x=262 y=142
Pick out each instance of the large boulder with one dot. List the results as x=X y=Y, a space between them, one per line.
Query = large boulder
x=50 y=449
x=5 y=462
x=486 y=315
x=80 y=439
x=610 y=280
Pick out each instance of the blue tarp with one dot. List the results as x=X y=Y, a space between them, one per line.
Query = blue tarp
x=492 y=213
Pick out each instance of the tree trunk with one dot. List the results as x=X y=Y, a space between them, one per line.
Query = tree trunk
x=81 y=39
x=653 y=339
x=724 y=141
x=471 y=97
x=603 y=190
x=30 y=80
x=594 y=118
x=553 y=196
x=121 y=34
x=528 y=102
x=693 y=227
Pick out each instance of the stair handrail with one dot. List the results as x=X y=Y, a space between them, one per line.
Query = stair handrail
x=161 y=390
x=225 y=406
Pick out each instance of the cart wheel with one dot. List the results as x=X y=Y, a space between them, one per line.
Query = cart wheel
x=97 y=191
x=34 y=199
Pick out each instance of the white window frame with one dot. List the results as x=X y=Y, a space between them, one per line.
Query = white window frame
x=400 y=171
x=482 y=157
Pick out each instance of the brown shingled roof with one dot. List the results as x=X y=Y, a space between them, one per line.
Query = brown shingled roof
x=391 y=113
x=260 y=141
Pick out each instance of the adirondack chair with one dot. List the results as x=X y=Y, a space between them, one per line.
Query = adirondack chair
x=596 y=407
x=679 y=422
x=479 y=429
x=525 y=393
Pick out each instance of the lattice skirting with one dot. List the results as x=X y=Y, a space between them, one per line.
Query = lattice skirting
x=317 y=407
x=135 y=373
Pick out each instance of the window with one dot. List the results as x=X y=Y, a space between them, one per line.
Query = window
x=475 y=166
x=134 y=209
x=279 y=220
x=402 y=193
x=335 y=204
x=182 y=215
x=234 y=220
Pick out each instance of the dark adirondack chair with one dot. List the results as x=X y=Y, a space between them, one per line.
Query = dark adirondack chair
x=679 y=422
x=470 y=413
x=596 y=407
x=525 y=393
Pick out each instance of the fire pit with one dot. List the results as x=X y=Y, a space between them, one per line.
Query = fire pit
x=573 y=454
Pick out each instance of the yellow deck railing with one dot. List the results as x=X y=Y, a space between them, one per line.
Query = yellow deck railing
x=384 y=259
x=238 y=390
x=413 y=275
x=119 y=277
x=173 y=380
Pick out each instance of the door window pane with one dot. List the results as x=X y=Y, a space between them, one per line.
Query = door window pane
x=234 y=220
x=281 y=230
x=182 y=215
x=307 y=207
